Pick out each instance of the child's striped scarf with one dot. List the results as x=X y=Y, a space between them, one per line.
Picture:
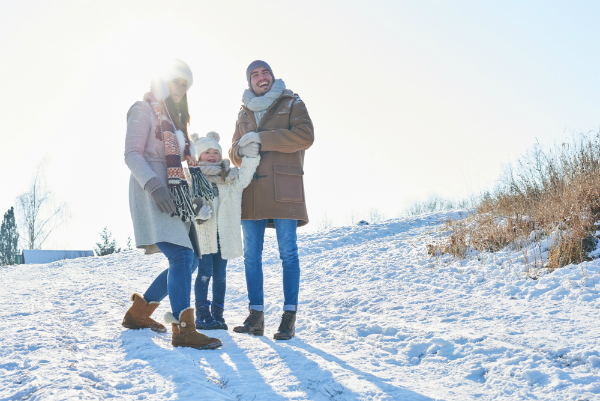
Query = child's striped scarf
x=177 y=183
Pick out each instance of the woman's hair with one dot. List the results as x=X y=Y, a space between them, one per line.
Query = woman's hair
x=180 y=124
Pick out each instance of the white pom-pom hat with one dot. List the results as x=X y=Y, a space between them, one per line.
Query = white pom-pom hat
x=210 y=141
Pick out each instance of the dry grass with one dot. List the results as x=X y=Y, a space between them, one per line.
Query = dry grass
x=552 y=193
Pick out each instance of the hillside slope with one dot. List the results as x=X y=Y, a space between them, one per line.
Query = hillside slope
x=378 y=320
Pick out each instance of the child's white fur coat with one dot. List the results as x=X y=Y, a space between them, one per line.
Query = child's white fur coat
x=228 y=218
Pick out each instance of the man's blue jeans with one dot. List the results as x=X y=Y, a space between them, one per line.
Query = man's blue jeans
x=175 y=281
x=211 y=265
x=254 y=237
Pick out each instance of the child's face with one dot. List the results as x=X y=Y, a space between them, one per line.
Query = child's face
x=211 y=156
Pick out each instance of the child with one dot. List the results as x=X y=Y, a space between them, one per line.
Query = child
x=220 y=236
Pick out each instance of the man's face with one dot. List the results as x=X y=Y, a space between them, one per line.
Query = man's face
x=261 y=81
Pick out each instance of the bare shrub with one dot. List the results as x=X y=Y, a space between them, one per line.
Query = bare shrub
x=353 y=217
x=436 y=203
x=376 y=216
x=549 y=193
x=325 y=223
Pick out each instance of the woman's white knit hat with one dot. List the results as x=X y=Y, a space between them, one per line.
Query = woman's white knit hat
x=210 y=141
x=175 y=69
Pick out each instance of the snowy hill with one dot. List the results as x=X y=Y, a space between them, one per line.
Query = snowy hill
x=379 y=319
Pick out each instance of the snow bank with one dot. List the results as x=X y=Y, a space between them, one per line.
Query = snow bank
x=379 y=319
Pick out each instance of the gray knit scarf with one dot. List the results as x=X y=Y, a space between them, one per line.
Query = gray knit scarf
x=260 y=104
x=212 y=171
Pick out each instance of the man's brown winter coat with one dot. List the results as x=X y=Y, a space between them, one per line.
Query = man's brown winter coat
x=277 y=190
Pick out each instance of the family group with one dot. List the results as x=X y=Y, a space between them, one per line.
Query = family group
x=190 y=202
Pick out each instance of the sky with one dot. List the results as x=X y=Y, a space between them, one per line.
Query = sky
x=408 y=98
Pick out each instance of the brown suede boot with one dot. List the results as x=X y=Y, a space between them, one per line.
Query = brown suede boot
x=138 y=316
x=185 y=334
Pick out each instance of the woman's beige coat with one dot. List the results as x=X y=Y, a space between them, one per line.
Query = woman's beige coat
x=228 y=218
x=145 y=157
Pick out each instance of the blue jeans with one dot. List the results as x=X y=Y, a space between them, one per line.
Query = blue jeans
x=211 y=265
x=176 y=280
x=254 y=238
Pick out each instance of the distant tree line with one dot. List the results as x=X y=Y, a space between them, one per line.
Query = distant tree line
x=38 y=218
x=9 y=238
x=108 y=245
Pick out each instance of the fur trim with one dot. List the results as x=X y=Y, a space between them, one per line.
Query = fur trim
x=180 y=140
x=170 y=319
x=192 y=149
x=132 y=298
x=189 y=307
x=160 y=89
x=179 y=69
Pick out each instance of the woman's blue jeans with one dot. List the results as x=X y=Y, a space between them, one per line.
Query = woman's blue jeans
x=176 y=280
x=211 y=265
x=254 y=238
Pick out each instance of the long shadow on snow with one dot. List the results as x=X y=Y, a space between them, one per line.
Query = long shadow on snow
x=243 y=381
x=177 y=366
x=247 y=378
x=390 y=390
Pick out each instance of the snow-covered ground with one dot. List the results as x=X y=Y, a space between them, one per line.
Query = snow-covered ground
x=379 y=319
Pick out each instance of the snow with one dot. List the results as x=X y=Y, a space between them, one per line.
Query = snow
x=379 y=319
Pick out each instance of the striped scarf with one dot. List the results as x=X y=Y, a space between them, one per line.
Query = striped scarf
x=177 y=183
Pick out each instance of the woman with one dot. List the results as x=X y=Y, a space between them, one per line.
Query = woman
x=160 y=201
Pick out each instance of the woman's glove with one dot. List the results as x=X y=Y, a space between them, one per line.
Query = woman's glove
x=163 y=198
x=249 y=138
x=249 y=150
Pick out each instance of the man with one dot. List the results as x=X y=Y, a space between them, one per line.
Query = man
x=274 y=121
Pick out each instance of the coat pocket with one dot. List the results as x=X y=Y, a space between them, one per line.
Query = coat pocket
x=288 y=183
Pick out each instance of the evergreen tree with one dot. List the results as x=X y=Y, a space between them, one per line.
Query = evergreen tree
x=108 y=245
x=9 y=238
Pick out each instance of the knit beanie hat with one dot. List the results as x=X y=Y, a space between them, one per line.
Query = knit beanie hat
x=210 y=141
x=255 y=64
x=173 y=70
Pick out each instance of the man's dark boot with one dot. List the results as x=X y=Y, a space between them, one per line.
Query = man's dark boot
x=254 y=324
x=287 y=328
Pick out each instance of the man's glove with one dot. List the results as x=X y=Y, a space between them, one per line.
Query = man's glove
x=163 y=198
x=249 y=150
x=249 y=138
